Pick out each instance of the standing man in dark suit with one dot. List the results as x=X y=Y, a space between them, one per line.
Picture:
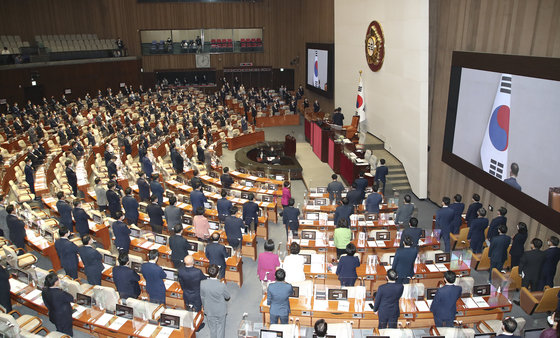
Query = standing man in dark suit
x=381 y=174
x=386 y=303
x=199 y=150
x=71 y=177
x=65 y=211
x=217 y=254
x=67 y=253
x=458 y=208
x=476 y=231
x=343 y=211
x=518 y=245
x=16 y=228
x=112 y=167
x=58 y=303
x=130 y=205
x=147 y=167
x=93 y=261
x=278 y=298
x=233 y=226
x=224 y=206
x=552 y=256
x=251 y=213
x=444 y=219
x=126 y=279
x=226 y=179
x=335 y=189
x=157 y=188
x=498 y=249
x=113 y=200
x=374 y=200
x=189 y=279
x=154 y=275
x=531 y=264
x=143 y=187
x=473 y=208
x=81 y=217
x=290 y=217
x=5 y=290
x=338 y=117
x=405 y=211
x=121 y=232
x=412 y=231
x=444 y=305
x=155 y=212
x=30 y=175
x=173 y=214
x=179 y=246
x=496 y=222
x=354 y=196
x=214 y=296
x=403 y=263
x=197 y=198
x=361 y=184
x=512 y=179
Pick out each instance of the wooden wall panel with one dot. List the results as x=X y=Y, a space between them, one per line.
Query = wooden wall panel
x=525 y=27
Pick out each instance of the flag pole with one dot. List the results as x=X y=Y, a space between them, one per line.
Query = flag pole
x=359 y=122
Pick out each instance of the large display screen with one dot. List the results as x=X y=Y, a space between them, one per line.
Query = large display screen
x=320 y=72
x=503 y=128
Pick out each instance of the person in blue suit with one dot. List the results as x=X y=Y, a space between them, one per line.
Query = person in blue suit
x=476 y=231
x=217 y=254
x=179 y=246
x=233 y=226
x=343 y=211
x=412 y=231
x=93 y=261
x=58 y=303
x=444 y=220
x=81 y=217
x=157 y=188
x=386 y=304
x=403 y=263
x=113 y=199
x=251 y=213
x=347 y=265
x=143 y=187
x=71 y=177
x=498 y=249
x=290 y=217
x=122 y=233
x=126 y=280
x=65 y=211
x=154 y=275
x=278 y=298
x=444 y=305
x=30 y=174
x=548 y=270
x=512 y=179
x=130 y=205
x=189 y=279
x=354 y=195
x=155 y=213
x=112 y=167
x=374 y=200
x=67 y=253
x=16 y=228
x=381 y=173
x=224 y=206
x=496 y=222
x=147 y=167
x=473 y=208
x=197 y=198
x=361 y=184
x=458 y=207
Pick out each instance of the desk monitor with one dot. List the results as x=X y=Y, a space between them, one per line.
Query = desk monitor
x=321 y=190
x=135 y=233
x=180 y=179
x=169 y=194
x=383 y=236
x=443 y=257
x=193 y=246
x=160 y=239
x=229 y=250
x=272 y=186
x=391 y=259
x=136 y=266
x=23 y=276
x=170 y=274
x=280 y=177
x=321 y=201
x=207 y=205
x=34 y=225
x=83 y=300
x=533 y=333
x=213 y=225
x=306 y=234
x=431 y=293
x=307 y=258
x=270 y=334
x=245 y=195
x=187 y=220
x=48 y=236
x=338 y=294
x=186 y=200
x=249 y=184
x=109 y=259
x=207 y=188
x=213 y=174
x=295 y=292
x=481 y=290
x=371 y=217
x=260 y=174
x=142 y=207
x=312 y=216
x=123 y=311
x=169 y=320
x=331 y=336
x=268 y=198
x=97 y=219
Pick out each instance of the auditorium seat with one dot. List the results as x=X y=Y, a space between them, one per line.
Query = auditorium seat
x=144 y=309
x=18 y=262
x=480 y=261
x=72 y=286
x=538 y=301
x=105 y=297
x=21 y=326
x=460 y=241
x=510 y=280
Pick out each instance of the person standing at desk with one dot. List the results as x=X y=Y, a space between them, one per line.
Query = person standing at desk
x=155 y=213
x=518 y=244
x=122 y=233
x=278 y=298
x=403 y=263
x=498 y=249
x=347 y=265
x=189 y=279
x=156 y=188
x=112 y=167
x=67 y=253
x=197 y=198
x=268 y=262
x=224 y=206
x=374 y=200
x=496 y=222
x=233 y=226
x=552 y=256
x=444 y=219
x=361 y=184
x=65 y=211
x=290 y=217
x=226 y=179
x=130 y=205
x=251 y=213
x=179 y=246
x=58 y=303
x=93 y=261
x=338 y=117
x=342 y=236
x=381 y=174
x=81 y=217
x=293 y=265
x=530 y=266
x=444 y=305
x=473 y=208
x=386 y=303
x=343 y=211
x=4 y=232
x=173 y=214
x=154 y=275
x=30 y=175
x=16 y=227
x=201 y=225
x=113 y=199
x=412 y=231
x=71 y=177
x=335 y=189
x=143 y=187
x=101 y=195
x=5 y=290
x=286 y=194
x=214 y=297
x=147 y=166
x=217 y=254
x=476 y=231
x=404 y=212
x=126 y=280
x=458 y=208
x=354 y=196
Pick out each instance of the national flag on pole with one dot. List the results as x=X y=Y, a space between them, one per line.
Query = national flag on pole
x=360 y=101
x=316 y=82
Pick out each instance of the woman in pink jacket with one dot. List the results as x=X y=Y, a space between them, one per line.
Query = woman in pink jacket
x=268 y=262
x=286 y=194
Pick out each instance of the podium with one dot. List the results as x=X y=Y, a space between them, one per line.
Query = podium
x=290 y=145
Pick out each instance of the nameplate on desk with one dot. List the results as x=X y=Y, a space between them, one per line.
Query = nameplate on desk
x=232 y=268
x=306 y=313
x=174 y=295
x=357 y=315
x=199 y=263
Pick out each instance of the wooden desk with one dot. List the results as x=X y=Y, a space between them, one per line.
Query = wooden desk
x=245 y=140
x=41 y=245
x=278 y=120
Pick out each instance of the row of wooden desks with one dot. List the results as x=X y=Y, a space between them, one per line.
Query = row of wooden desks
x=245 y=140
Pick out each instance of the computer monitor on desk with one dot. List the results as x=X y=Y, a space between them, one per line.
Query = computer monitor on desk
x=109 y=259
x=186 y=220
x=306 y=234
x=338 y=294
x=96 y=218
x=312 y=216
x=160 y=239
x=22 y=276
x=135 y=232
x=249 y=184
x=267 y=198
x=170 y=274
x=186 y=200
x=136 y=266
x=169 y=321
x=295 y=292
x=245 y=195
x=383 y=236
x=307 y=258
x=443 y=257
x=169 y=194
x=193 y=246
x=321 y=201
x=431 y=293
x=213 y=225
x=321 y=190
x=48 y=235
x=83 y=300
x=142 y=207
x=124 y=311
x=481 y=290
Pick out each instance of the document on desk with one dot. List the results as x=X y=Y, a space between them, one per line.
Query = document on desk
x=78 y=312
x=372 y=244
x=254 y=178
x=320 y=242
x=317 y=268
x=49 y=200
x=168 y=283
x=172 y=182
x=30 y=296
x=304 y=242
x=380 y=244
x=156 y=246
x=104 y=319
x=480 y=302
x=146 y=245
x=306 y=222
x=441 y=267
x=164 y=332
x=117 y=323
x=316 y=195
x=432 y=268
x=313 y=207
x=320 y=305
x=469 y=303
x=429 y=302
x=343 y=306
x=391 y=222
x=148 y=330
x=16 y=285
x=422 y=306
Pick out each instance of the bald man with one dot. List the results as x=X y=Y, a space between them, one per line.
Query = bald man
x=189 y=278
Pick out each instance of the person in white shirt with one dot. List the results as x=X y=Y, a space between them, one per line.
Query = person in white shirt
x=293 y=265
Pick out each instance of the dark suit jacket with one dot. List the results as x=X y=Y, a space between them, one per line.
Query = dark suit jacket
x=112 y=169
x=354 y=197
x=471 y=211
x=403 y=263
x=233 y=226
x=373 y=201
x=498 y=248
x=65 y=211
x=189 y=278
x=343 y=212
x=122 y=235
x=17 y=230
x=493 y=228
x=346 y=269
x=114 y=201
x=518 y=244
x=155 y=212
x=444 y=219
x=71 y=177
x=29 y=178
x=512 y=181
x=444 y=305
x=58 y=302
x=223 y=205
x=154 y=275
x=290 y=218
x=93 y=263
x=387 y=300
x=157 y=190
x=147 y=167
x=458 y=209
x=250 y=212
x=381 y=173
x=81 y=218
x=68 y=254
x=361 y=184
x=278 y=297
x=414 y=233
x=126 y=281
x=226 y=181
x=130 y=205
x=143 y=189
x=179 y=247
x=217 y=254
x=476 y=233
x=552 y=256
x=5 y=289
x=197 y=199
x=531 y=264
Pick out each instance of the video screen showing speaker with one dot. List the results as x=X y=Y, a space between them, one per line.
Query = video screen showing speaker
x=320 y=68
x=502 y=128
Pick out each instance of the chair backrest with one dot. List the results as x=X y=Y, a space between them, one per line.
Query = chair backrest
x=11 y=256
x=186 y=318
x=69 y=285
x=144 y=309
x=105 y=297
x=9 y=326
x=355 y=121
